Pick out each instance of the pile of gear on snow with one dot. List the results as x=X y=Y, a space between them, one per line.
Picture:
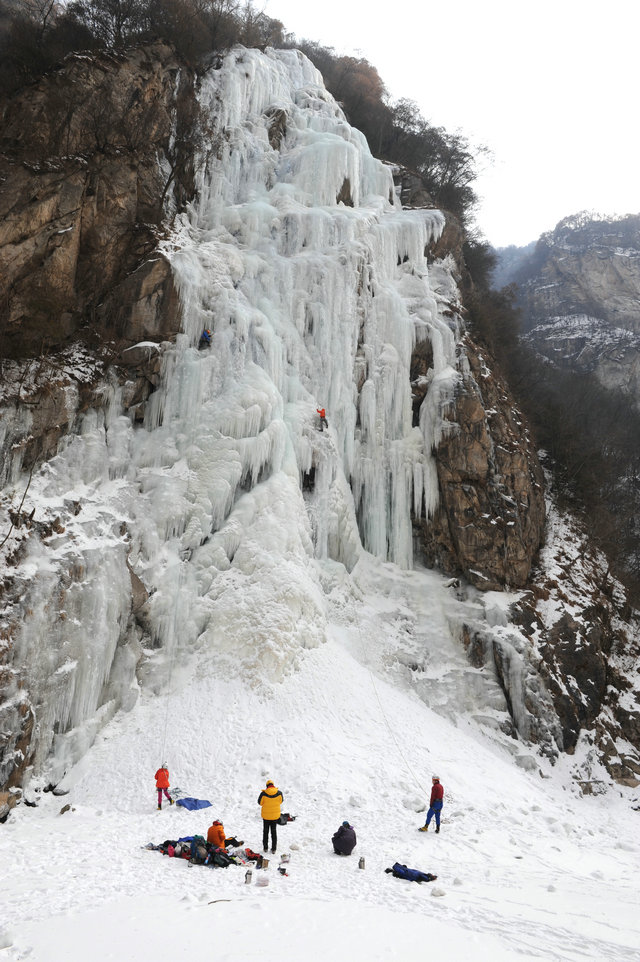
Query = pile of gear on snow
x=198 y=851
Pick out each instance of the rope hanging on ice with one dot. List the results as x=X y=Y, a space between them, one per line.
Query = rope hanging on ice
x=180 y=583
x=384 y=717
x=172 y=659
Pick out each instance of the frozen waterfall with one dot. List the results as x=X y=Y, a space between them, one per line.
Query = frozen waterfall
x=311 y=303
x=313 y=282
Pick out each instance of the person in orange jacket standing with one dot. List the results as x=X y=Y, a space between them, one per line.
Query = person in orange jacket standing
x=162 y=784
x=270 y=801
x=323 y=418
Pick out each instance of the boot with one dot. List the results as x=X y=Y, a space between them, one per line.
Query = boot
x=437 y=829
x=170 y=801
x=425 y=828
x=159 y=806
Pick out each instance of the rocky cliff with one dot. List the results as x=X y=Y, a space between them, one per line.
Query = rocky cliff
x=579 y=290
x=90 y=167
x=490 y=517
x=88 y=164
x=97 y=161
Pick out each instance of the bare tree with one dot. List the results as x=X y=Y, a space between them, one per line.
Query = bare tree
x=113 y=22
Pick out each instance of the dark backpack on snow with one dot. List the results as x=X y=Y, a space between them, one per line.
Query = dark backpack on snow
x=285 y=818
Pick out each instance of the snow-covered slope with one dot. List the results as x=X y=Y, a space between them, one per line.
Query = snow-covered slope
x=527 y=868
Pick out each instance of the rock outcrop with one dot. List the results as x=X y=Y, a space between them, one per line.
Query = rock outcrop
x=489 y=522
x=584 y=266
x=579 y=290
x=584 y=633
x=89 y=168
x=87 y=157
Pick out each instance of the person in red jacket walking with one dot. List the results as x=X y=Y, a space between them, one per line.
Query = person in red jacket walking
x=162 y=784
x=435 y=804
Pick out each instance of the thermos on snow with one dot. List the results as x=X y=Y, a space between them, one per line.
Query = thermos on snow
x=248 y=876
x=361 y=862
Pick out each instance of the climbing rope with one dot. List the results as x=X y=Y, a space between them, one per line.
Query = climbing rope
x=172 y=661
x=180 y=584
x=384 y=717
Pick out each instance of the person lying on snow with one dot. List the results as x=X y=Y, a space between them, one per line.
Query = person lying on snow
x=344 y=840
x=410 y=874
x=216 y=836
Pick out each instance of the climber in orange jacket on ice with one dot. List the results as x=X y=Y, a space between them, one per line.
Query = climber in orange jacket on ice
x=323 y=420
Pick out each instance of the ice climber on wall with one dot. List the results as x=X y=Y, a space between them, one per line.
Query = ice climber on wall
x=435 y=804
x=270 y=800
x=162 y=784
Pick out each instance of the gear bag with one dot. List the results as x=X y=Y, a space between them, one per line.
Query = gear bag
x=285 y=818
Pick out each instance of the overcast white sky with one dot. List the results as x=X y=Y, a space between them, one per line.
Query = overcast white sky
x=550 y=87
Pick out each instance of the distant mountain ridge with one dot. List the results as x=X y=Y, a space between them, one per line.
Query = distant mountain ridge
x=579 y=292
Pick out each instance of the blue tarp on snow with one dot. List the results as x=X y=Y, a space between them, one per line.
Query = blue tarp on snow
x=193 y=803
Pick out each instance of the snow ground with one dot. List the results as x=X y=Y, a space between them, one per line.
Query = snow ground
x=527 y=868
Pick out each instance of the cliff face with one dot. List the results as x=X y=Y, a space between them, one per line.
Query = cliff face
x=91 y=188
x=86 y=158
x=579 y=290
x=88 y=169
x=584 y=266
x=567 y=659
x=489 y=522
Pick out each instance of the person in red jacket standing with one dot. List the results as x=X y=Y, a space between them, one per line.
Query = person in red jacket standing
x=162 y=784
x=323 y=418
x=435 y=804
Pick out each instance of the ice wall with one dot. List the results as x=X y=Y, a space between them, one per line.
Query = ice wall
x=311 y=302
x=229 y=496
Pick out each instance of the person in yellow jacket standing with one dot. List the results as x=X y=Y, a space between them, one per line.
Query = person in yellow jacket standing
x=270 y=801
